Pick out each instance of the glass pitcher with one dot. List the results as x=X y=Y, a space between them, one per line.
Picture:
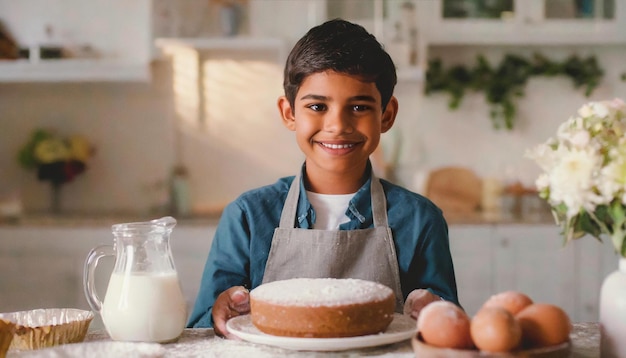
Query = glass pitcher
x=144 y=300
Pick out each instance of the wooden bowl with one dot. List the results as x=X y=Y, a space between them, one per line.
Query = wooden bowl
x=422 y=349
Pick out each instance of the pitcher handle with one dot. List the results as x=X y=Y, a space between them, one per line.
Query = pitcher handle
x=91 y=262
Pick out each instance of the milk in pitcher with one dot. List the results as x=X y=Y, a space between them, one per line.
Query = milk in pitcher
x=146 y=307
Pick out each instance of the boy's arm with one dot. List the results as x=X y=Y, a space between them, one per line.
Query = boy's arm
x=227 y=264
x=432 y=266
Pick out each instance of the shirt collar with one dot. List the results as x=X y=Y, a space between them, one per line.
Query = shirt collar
x=359 y=208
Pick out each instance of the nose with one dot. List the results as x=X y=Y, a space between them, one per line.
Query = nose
x=338 y=122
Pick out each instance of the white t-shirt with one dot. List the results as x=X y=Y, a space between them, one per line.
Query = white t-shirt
x=330 y=210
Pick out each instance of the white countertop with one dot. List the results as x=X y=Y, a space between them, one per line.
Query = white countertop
x=585 y=341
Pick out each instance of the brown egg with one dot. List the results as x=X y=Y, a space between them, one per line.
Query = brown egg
x=495 y=329
x=444 y=324
x=512 y=301
x=544 y=325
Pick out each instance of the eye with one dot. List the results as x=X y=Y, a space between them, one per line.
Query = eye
x=360 y=108
x=317 y=107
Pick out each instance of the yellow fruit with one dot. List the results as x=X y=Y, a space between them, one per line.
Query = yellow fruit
x=51 y=150
x=80 y=149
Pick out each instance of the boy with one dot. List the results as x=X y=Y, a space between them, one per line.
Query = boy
x=334 y=219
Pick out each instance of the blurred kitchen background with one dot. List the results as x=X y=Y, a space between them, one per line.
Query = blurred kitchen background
x=178 y=99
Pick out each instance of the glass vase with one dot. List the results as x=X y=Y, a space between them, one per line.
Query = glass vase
x=613 y=313
x=230 y=19
x=55 y=198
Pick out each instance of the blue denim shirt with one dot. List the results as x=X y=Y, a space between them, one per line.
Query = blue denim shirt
x=244 y=235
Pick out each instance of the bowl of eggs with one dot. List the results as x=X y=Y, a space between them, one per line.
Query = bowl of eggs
x=509 y=324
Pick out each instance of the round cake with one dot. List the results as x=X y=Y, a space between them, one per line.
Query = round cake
x=321 y=307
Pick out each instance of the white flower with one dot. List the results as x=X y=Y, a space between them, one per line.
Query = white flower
x=563 y=132
x=580 y=139
x=617 y=104
x=585 y=111
x=571 y=180
x=543 y=182
x=612 y=174
x=543 y=155
x=584 y=172
x=600 y=109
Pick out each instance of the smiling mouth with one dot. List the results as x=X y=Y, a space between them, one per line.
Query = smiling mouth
x=337 y=146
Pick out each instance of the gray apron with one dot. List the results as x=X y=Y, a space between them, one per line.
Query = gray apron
x=366 y=254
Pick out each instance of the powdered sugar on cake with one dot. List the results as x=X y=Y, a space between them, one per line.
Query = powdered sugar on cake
x=321 y=292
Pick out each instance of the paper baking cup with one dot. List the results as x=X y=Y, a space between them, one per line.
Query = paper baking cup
x=41 y=328
x=7 y=331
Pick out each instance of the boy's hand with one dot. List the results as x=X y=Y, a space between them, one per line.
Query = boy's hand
x=417 y=300
x=231 y=303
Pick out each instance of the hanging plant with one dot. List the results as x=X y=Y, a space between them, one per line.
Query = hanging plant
x=503 y=84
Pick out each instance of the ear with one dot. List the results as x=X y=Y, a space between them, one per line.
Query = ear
x=286 y=113
x=389 y=115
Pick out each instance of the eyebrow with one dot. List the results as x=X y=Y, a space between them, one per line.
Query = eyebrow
x=364 y=98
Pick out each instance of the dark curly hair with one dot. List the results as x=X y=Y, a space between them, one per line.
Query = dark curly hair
x=343 y=47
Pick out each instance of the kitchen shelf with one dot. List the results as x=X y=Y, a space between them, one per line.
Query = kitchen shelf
x=73 y=70
x=526 y=25
x=223 y=43
x=120 y=33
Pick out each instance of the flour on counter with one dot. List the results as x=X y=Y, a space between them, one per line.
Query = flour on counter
x=96 y=350
x=218 y=347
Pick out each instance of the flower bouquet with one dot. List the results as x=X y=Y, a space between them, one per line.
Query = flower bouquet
x=57 y=160
x=584 y=173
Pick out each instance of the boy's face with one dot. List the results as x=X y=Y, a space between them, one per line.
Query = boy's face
x=338 y=121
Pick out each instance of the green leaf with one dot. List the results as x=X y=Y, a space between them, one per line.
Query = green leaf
x=586 y=225
x=603 y=214
x=26 y=155
x=571 y=230
x=619 y=242
x=617 y=213
x=505 y=83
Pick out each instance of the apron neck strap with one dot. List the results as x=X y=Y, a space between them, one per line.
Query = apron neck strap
x=379 y=203
x=288 y=216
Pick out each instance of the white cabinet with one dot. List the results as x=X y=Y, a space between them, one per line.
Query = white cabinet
x=108 y=41
x=190 y=248
x=532 y=259
x=472 y=252
x=527 y=22
x=43 y=267
x=489 y=259
x=47 y=283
